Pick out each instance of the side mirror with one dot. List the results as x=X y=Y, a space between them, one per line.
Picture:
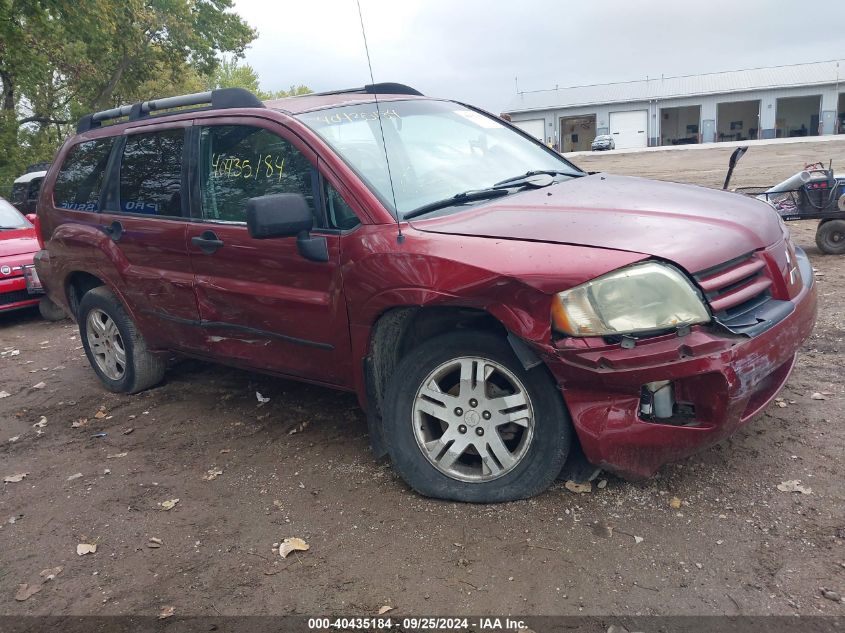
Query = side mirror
x=278 y=215
x=31 y=217
x=286 y=215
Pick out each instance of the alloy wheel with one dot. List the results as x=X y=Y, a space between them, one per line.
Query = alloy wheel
x=106 y=344
x=473 y=419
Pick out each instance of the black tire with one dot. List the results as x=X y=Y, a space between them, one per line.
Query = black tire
x=830 y=237
x=142 y=369
x=50 y=311
x=540 y=463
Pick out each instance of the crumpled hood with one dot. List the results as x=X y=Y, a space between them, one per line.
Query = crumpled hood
x=18 y=242
x=695 y=227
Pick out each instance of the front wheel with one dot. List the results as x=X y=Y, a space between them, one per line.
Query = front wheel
x=465 y=421
x=830 y=237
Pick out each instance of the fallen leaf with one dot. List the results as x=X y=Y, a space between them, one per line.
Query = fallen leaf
x=781 y=404
x=298 y=428
x=211 y=474
x=41 y=423
x=826 y=593
x=638 y=539
x=292 y=545
x=13 y=479
x=169 y=504
x=74 y=476
x=100 y=414
x=79 y=423
x=116 y=455
x=128 y=431
x=602 y=484
x=818 y=396
x=166 y=612
x=41 y=385
x=261 y=399
x=86 y=548
x=225 y=450
x=154 y=543
x=675 y=503
x=794 y=485
x=384 y=609
x=14 y=438
x=25 y=592
x=579 y=488
x=50 y=574
x=4 y=394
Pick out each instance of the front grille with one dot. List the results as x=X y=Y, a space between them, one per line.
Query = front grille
x=736 y=287
x=8 y=298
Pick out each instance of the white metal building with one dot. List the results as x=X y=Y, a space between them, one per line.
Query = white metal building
x=781 y=101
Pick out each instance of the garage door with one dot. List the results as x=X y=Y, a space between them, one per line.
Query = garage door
x=629 y=129
x=534 y=127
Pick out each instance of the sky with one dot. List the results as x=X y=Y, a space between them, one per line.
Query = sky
x=476 y=51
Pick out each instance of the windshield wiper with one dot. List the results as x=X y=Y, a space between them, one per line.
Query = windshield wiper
x=461 y=198
x=537 y=172
x=501 y=188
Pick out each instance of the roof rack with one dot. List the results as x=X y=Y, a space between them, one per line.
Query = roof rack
x=219 y=99
x=384 y=88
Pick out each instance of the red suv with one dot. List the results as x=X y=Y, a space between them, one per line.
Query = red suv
x=495 y=309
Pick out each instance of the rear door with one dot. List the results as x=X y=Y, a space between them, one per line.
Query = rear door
x=145 y=215
x=262 y=303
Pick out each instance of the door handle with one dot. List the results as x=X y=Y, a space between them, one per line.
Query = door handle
x=113 y=230
x=207 y=242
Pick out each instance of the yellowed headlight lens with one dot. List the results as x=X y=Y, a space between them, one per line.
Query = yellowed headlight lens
x=641 y=298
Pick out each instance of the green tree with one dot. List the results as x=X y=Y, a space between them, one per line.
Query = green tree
x=60 y=59
x=231 y=73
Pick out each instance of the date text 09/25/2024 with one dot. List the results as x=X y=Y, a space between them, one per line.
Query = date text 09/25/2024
x=417 y=623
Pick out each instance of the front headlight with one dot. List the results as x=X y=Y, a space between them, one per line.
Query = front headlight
x=640 y=298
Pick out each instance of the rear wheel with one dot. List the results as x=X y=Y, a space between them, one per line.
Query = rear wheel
x=464 y=421
x=830 y=237
x=116 y=350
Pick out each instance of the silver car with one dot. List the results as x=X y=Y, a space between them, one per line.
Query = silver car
x=603 y=142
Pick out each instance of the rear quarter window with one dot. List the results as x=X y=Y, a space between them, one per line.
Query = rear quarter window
x=81 y=176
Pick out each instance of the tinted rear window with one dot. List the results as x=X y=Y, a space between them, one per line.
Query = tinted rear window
x=151 y=173
x=81 y=176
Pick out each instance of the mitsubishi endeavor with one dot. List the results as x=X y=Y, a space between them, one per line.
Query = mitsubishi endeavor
x=495 y=309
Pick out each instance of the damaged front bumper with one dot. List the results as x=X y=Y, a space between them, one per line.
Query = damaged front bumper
x=718 y=380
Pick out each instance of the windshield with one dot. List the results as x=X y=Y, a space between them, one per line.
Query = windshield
x=10 y=218
x=436 y=148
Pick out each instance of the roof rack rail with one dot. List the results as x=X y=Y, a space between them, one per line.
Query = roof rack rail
x=219 y=99
x=384 y=88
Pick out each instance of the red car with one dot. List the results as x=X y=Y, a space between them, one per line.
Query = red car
x=496 y=310
x=18 y=244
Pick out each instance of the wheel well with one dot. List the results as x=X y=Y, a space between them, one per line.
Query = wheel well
x=78 y=284
x=400 y=330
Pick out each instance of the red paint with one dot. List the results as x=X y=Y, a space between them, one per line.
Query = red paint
x=507 y=257
x=17 y=248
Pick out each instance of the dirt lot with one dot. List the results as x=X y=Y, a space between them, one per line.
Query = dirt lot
x=300 y=466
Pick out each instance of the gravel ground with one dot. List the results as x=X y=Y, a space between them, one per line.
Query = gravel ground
x=101 y=465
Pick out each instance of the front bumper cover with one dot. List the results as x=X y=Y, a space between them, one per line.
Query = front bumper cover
x=726 y=379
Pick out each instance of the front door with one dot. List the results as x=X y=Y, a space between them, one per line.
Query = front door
x=145 y=217
x=262 y=303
